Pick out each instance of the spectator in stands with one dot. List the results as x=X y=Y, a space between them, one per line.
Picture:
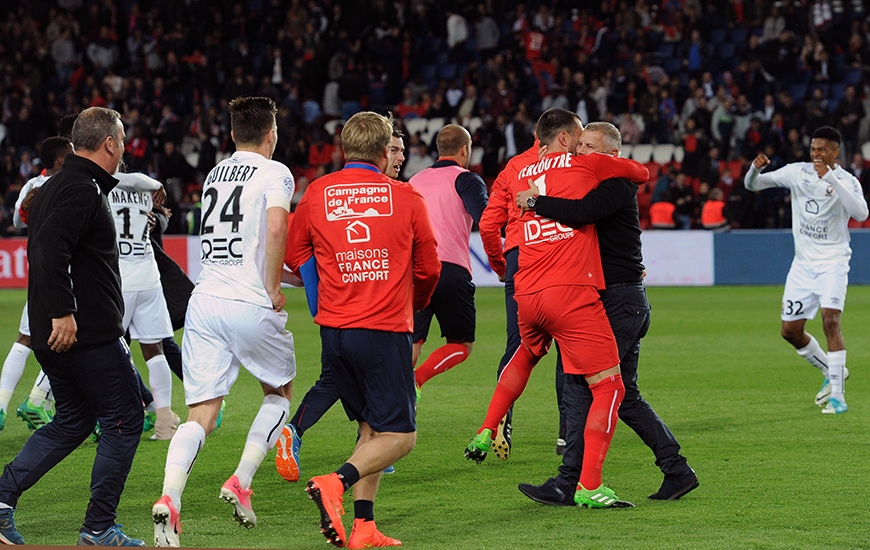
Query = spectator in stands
x=457 y=34
x=630 y=130
x=774 y=25
x=661 y=213
x=685 y=203
x=468 y=107
x=320 y=152
x=666 y=180
x=722 y=126
x=487 y=32
x=848 y=115
x=712 y=212
x=861 y=170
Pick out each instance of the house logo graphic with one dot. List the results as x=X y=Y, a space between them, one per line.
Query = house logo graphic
x=358 y=232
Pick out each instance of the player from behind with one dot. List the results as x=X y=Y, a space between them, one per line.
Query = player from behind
x=823 y=198
x=235 y=314
x=36 y=410
x=324 y=393
x=557 y=287
x=455 y=198
x=376 y=259
x=146 y=315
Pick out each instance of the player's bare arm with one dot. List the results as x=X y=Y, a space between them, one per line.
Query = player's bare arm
x=276 y=244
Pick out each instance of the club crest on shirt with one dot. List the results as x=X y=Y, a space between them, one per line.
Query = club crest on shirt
x=829 y=192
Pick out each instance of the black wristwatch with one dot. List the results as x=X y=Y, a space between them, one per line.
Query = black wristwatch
x=531 y=201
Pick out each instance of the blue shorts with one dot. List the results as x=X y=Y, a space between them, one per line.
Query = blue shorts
x=374 y=376
x=452 y=303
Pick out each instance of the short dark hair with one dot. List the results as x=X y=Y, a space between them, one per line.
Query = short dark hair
x=552 y=122
x=93 y=126
x=251 y=118
x=829 y=133
x=52 y=149
x=65 y=125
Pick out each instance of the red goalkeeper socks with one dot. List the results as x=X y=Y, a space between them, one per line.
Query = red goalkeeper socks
x=442 y=359
x=511 y=384
x=600 y=424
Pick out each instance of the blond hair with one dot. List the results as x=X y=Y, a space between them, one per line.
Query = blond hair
x=365 y=136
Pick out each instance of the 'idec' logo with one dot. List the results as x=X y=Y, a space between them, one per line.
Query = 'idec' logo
x=539 y=230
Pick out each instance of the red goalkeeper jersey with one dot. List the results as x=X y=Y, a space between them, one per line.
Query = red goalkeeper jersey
x=553 y=254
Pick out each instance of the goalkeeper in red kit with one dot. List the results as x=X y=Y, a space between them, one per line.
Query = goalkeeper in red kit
x=557 y=287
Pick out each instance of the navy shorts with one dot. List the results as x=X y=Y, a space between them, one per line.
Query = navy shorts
x=374 y=376
x=452 y=303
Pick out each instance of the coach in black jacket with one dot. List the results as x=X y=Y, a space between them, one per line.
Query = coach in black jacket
x=612 y=207
x=76 y=310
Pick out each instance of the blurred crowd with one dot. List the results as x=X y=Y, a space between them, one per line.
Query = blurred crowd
x=724 y=81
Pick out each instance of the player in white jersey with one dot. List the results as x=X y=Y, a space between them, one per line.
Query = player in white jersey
x=145 y=313
x=235 y=314
x=823 y=198
x=37 y=409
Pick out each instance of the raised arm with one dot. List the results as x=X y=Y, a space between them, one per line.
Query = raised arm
x=755 y=181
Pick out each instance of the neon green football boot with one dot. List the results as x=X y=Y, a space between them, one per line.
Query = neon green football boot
x=478 y=447
x=35 y=417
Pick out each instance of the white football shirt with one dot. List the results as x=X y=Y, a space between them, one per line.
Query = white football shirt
x=235 y=197
x=821 y=208
x=32 y=183
x=131 y=202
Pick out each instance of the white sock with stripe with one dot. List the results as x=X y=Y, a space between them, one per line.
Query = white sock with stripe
x=814 y=355
x=185 y=445
x=262 y=436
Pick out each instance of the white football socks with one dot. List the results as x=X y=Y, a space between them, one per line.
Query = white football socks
x=836 y=373
x=41 y=390
x=160 y=379
x=13 y=368
x=262 y=436
x=185 y=445
x=814 y=355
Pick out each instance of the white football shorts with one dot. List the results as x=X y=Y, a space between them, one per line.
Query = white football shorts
x=146 y=315
x=24 y=324
x=809 y=287
x=220 y=334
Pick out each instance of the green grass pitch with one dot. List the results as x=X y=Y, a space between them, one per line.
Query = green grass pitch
x=774 y=471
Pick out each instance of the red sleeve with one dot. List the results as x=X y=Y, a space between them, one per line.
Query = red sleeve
x=494 y=217
x=611 y=167
x=427 y=266
x=299 y=246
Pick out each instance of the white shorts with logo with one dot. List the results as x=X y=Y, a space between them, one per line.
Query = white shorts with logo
x=220 y=334
x=24 y=324
x=809 y=287
x=146 y=315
